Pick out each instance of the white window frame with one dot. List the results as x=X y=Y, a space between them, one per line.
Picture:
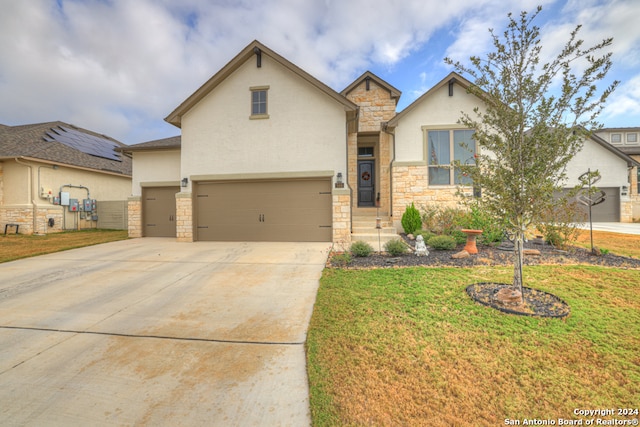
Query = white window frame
x=260 y=114
x=632 y=138
x=616 y=138
x=433 y=163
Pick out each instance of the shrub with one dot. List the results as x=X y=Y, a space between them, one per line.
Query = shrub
x=560 y=225
x=477 y=219
x=361 y=249
x=395 y=247
x=442 y=243
x=426 y=234
x=411 y=219
x=342 y=259
x=458 y=236
x=429 y=217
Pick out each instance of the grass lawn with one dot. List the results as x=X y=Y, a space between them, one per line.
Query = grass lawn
x=620 y=244
x=408 y=347
x=16 y=246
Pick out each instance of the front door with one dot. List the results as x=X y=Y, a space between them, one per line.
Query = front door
x=366 y=183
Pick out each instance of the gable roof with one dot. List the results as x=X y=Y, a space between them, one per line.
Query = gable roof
x=254 y=48
x=615 y=150
x=453 y=77
x=171 y=143
x=395 y=93
x=34 y=141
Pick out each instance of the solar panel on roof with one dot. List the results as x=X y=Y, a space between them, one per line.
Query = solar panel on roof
x=89 y=144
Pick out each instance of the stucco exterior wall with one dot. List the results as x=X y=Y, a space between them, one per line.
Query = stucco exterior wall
x=613 y=169
x=305 y=131
x=29 y=190
x=437 y=110
x=154 y=166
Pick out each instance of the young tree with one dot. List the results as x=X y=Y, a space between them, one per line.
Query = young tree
x=534 y=121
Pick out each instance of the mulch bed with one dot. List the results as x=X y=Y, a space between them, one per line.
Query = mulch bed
x=490 y=256
x=535 y=302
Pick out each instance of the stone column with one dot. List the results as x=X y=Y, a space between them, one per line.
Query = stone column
x=184 y=217
x=342 y=216
x=134 y=216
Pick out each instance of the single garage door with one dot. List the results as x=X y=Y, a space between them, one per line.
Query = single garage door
x=159 y=211
x=278 y=211
x=609 y=210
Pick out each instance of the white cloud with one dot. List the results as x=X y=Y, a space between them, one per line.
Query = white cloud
x=120 y=66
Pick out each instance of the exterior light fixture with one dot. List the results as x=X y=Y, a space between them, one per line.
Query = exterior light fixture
x=339 y=183
x=185 y=182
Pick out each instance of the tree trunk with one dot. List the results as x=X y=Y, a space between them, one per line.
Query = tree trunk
x=518 y=261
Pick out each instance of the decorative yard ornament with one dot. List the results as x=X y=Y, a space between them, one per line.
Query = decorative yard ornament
x=592 y=198
x=421 y=247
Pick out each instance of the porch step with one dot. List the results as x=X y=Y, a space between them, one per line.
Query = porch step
x=364 y=229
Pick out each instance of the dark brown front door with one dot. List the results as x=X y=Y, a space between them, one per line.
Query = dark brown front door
x=159 y=211
x=366 y=183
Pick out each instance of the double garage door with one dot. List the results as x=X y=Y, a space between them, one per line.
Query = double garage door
x=286 y=211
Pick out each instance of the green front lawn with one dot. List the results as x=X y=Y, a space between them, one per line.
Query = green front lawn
x=408 y=347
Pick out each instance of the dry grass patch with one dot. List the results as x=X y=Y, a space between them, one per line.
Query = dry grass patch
x=16 y=246
x=408 y=347
x=619 y=244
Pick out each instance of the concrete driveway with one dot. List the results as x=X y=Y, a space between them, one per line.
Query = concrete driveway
x=155 y=332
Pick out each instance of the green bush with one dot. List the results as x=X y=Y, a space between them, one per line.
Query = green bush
x=361 y=249
x=395 y=247
x=458 y=236
x=426 y=234
x=411 y=219
x=342 y=259
x=477 y=219
x=442 y=243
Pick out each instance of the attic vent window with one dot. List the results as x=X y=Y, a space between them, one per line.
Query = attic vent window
x=259 y=102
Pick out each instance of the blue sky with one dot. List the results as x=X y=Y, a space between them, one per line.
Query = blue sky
x=119 y=67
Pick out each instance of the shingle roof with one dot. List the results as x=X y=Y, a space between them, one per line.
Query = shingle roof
x=32 y=141
x=171 y=143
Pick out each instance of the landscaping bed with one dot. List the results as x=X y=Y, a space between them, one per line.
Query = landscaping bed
x=489 y=256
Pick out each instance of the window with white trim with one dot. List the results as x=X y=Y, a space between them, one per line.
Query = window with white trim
x=259 y=102
x=616 y=138
x=445 y=149
x=632 y=138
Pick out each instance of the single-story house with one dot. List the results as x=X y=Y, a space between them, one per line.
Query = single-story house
x=55 y=176
x=268 y=152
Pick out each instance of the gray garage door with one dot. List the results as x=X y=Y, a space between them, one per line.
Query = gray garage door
x=285 y=211
x=609 y=210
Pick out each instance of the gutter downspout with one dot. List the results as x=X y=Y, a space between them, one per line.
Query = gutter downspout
x=356 y=119
x=31 y=193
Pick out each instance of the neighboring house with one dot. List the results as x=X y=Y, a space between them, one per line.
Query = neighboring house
x=46 y=167
x=627 y=140
x=268 y=152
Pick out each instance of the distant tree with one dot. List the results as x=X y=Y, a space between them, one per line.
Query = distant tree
x=534 y=121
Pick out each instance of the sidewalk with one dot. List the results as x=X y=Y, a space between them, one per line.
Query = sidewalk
x=615 y=227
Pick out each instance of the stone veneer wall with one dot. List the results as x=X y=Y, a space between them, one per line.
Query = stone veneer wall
x=341 y=217
x=1 y=185
x=23 y=216
x=184 y=217
x=134 y=216
x=376 y=107
x=411 y=185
